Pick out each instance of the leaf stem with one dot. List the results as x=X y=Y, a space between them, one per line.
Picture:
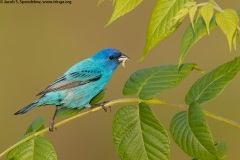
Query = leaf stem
x=222 y=119
x=113 y=103
x=209 y=114
x=215 y=6
x=202 y=4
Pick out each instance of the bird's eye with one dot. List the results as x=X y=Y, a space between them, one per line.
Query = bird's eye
x=111 y=57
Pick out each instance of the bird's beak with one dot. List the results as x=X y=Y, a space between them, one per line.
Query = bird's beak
x=123 y=58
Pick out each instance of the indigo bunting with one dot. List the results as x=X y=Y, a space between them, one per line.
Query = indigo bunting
x=80 y=84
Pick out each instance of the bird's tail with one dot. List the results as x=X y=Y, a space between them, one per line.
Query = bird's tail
x=28 y=108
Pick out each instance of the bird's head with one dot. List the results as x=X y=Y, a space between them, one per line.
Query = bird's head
x=110 y=58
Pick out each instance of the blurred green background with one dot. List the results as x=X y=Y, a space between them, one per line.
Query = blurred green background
x=38 y=43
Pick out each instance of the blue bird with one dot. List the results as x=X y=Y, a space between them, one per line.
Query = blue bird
x=80 y=84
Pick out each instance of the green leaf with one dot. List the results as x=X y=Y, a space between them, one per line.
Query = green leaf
x=161 y=25
x=189 y=4
x=192 y=12
x=191 y=36
x=184 y=11
x=207 y=14
x=37 y=148
x=198 y=16
x=148 y=83
x=215 y=6
x=122 y=7
x=238 y=38
x=213 y=83
x=235 y=40
x=238 y=12
x=190 y=131
x=181 y=14
x=228 y=22
x=137 y=134
x=37 y=125
x=222 y=150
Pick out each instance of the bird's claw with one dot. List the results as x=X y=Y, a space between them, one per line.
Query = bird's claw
x=106 y=108
x=110 y=109
x=51 y=127
x=103 y=106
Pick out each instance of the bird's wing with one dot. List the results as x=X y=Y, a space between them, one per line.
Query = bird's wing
x=74 y=79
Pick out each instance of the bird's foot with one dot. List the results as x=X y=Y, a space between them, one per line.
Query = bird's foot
x=51 y=127
x=106 y=108
x=102 y=105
